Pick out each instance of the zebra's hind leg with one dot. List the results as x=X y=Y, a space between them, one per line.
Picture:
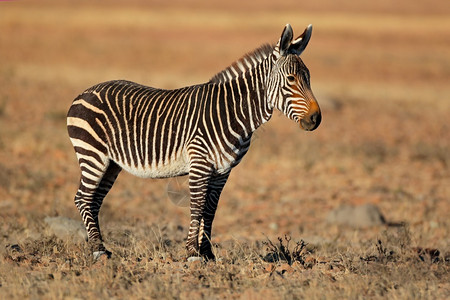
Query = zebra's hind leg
x=95 y=183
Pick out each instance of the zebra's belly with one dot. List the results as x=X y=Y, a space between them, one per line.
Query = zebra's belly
x=175 y=166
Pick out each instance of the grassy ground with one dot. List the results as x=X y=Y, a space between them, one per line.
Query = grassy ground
x=380 y=73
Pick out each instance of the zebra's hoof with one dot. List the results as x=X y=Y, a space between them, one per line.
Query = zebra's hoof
x=195 y=258
x=99 y=254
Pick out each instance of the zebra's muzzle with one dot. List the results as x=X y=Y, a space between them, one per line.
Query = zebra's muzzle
x=312 y=121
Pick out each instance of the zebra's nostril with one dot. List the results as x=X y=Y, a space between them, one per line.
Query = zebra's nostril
x=316 y=119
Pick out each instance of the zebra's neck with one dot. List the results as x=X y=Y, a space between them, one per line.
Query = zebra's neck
x=246 y=80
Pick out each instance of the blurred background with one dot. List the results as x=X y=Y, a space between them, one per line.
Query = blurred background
x=379 y=69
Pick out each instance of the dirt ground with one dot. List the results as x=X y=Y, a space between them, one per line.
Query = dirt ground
x=381 y=73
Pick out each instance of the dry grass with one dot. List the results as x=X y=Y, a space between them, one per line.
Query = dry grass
x=380 y=72
x=155 y=267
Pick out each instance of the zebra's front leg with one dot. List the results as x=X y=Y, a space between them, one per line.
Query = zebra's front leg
x=205 y=193
x=198 y=186
x=215 y=187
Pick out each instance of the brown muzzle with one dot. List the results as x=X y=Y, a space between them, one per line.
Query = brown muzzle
x=313 y=118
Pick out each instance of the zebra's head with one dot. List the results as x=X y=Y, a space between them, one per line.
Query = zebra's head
x=288 y=86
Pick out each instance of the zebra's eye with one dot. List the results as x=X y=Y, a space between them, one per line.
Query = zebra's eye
x=290 y=78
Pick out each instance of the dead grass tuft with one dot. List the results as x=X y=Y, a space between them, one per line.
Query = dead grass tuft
x=282 y=252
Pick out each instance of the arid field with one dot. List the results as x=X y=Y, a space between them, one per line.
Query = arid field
x=380 y=71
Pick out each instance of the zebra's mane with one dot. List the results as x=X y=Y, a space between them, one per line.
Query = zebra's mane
x=245 y=63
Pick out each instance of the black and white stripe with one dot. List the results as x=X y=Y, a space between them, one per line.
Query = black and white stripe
x=202 y=130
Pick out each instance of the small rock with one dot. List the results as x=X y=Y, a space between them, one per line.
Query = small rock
x=357 y=216
x=194 y=259
x=66 y=228
x=273 y=226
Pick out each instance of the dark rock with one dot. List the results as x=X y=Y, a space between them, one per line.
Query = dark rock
x=357 y=216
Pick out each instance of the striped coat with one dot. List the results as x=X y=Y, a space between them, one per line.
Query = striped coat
x=202 y=130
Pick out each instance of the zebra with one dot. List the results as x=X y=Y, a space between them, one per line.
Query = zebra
x=202 y=131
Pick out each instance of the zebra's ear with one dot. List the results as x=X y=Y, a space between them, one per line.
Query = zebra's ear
x=285 y=40
x=300 y=43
